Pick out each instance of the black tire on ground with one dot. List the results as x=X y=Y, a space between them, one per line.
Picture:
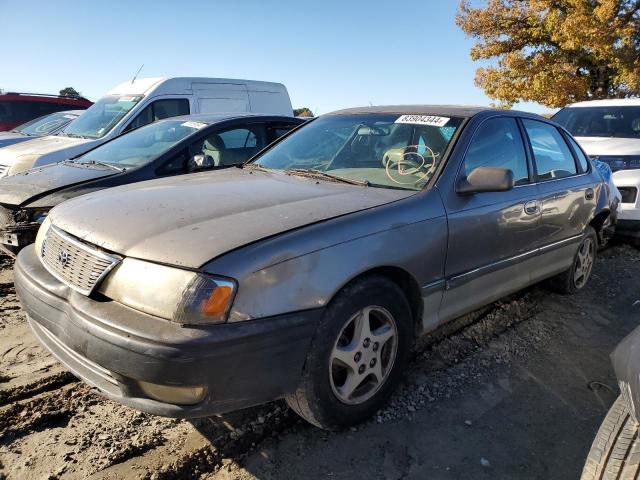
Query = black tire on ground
x=565 y=282
x=615 y=452
x=315 y=400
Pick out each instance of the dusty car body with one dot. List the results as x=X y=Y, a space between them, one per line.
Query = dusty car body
x=165 y=148
x=308 y=273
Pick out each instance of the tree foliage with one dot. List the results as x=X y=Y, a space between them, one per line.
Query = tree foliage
x=555 y=52
x=303 y=112
x=69 y=92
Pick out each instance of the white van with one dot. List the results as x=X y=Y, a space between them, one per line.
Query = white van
x=136 y=103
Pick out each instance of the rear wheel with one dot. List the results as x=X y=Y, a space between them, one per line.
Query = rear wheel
x=576 y=277
x=357 y=356
x=615 y=452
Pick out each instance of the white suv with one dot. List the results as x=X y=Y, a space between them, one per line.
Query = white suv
x=609 y=131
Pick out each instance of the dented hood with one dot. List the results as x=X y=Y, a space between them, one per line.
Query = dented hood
x=27 y=186
x=191 y=219
x=43 y=150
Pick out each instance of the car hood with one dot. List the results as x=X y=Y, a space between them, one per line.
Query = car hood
x=626 y=178
x=191 y=219
x=63 y=147
x=27 y=186
x=10 y=138
x=597 y=146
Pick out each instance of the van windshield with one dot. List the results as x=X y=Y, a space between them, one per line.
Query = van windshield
x=141 y=146
x=378 y=150
x=102 y=116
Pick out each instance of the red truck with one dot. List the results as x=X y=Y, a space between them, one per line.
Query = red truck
x=19 y=108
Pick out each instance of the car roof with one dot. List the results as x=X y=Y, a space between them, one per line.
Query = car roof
x=446 y=110
x=212 y=118
x=614 y=102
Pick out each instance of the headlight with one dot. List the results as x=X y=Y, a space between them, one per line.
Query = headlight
x=185 y=297
x=42 y=232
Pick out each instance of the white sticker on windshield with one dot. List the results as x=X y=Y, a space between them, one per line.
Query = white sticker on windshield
x=432 y=120
x=192 y=124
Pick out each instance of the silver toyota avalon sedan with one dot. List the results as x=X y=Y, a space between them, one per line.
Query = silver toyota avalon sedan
x=308 y=273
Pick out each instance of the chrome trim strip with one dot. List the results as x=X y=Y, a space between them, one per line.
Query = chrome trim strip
x=113 y=259
x=429 y=287
x=554 y=245
x=461 y=279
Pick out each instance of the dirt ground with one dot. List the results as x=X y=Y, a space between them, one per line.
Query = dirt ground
x=516 y=390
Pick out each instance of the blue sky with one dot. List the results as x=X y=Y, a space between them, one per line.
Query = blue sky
x=330 y=54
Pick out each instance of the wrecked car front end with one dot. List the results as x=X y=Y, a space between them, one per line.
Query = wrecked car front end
x=18 y=227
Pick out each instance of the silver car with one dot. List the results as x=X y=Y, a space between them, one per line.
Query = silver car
x=309 y=272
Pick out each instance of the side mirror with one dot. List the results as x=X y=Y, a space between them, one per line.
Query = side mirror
x=200 y=162
x=486 y=179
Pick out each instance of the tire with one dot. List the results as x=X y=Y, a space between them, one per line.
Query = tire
x=615 y=452
x=565 y=282
x=322 y=397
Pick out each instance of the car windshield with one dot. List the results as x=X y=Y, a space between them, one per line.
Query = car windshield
x=621 y=122
x=141 y=146
x=381 y=150
x=46 y=124
x=102 y=116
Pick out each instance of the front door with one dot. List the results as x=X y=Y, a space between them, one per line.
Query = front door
x=492 y=235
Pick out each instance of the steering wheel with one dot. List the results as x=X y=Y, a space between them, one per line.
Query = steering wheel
x=403 y=162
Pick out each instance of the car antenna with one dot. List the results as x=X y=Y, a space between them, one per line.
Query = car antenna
x=136 y=75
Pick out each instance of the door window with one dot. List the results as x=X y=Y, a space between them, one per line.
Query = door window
x=232 y=146
x=171 y=107
x=550 y=152
x=582 y=158
x=498 y=143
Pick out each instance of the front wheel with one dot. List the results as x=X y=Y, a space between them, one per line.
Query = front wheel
x=357 y=356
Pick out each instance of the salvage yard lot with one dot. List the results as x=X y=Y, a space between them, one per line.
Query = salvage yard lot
x=517 y=389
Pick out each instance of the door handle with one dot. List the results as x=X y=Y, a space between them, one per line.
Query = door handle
x=588 y=194
x=532 y=207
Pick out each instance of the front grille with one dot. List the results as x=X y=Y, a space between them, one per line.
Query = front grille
x=4 y=169
x=629 y=194
x=73 y=262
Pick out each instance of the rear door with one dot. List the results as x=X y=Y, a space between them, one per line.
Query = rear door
x=492 y=235
x=567 y=197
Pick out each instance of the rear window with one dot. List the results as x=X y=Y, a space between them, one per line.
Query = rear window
x=21 y=111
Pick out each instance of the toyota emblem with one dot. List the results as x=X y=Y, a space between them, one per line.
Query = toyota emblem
x=64 y=258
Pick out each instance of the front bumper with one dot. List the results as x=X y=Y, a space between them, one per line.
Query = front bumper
x=112 y=347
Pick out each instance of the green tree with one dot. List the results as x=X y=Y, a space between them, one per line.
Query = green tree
x=303 y=112
x=555 y=52
x=69 y=92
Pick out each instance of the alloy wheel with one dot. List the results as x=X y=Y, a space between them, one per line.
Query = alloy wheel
x=584 y=262
x=363 y=355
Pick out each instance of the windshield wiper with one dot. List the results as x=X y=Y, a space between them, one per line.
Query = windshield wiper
x=98 y=162
x=72 y=135
x=315 y=173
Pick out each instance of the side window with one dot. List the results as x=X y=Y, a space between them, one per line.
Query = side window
x=171 y=107
x=582 y=158
x=550 y=152
x=232 y=146
x=176 y=165
x=498 y=143
x=275 y=131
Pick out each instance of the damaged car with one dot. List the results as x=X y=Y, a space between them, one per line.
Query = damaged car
x=168 y=147
x=45 y=125
x=308 y=273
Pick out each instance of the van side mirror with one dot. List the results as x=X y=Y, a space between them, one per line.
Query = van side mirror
x=486 y=179
x=200 y=162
